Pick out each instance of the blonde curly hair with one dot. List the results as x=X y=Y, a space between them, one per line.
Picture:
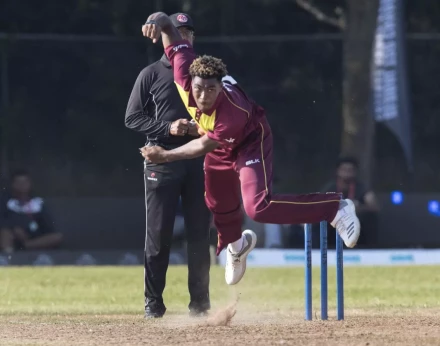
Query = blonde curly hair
x=207 y=67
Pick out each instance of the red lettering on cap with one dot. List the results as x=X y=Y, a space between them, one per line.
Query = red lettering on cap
x=182 y=18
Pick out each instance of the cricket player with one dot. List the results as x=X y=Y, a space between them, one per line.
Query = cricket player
x=238 y=147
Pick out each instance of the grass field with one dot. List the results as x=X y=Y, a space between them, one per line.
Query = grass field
x=104 y=305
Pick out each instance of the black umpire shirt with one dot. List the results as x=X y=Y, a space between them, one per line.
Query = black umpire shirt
x=154 y=104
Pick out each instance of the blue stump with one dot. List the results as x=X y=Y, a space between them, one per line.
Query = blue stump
x=339 y=277
x=324 y=282
x=308 y=269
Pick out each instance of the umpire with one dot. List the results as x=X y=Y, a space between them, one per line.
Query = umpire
x=156 y=110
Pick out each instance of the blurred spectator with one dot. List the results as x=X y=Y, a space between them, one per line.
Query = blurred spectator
x=26 y=223
x=347 y=182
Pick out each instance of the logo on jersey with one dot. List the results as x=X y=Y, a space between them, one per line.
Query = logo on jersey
x=251 y=162
x=182 y=18
x=152 y=177
x=180 y=46
x=230 y=140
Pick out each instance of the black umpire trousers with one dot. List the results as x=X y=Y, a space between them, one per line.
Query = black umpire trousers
x=164 y=185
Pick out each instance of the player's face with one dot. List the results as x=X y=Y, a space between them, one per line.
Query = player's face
x=347 y=171
x=205 y=92
x=21 y=184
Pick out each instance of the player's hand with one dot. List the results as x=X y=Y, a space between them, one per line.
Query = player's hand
x=151 y=30
x=179 y=127
x=197 y=130
x=154 y=154
x=193 y=129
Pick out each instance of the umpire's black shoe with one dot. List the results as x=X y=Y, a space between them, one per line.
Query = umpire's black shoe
x=199 y=309
x=154 y=310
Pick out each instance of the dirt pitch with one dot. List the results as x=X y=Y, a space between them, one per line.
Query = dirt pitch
x=399 y=327
x=103 y=306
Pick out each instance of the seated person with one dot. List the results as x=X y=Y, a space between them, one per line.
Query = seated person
x=347 y=182
x=26 y=223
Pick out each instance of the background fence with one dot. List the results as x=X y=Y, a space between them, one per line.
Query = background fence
x=64 y=98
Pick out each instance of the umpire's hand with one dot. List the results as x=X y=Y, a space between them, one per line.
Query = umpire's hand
x=179 y=127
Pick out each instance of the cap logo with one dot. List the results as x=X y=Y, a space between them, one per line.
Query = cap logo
x=182 y=18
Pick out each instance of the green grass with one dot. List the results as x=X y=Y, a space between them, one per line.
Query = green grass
x=119 y=290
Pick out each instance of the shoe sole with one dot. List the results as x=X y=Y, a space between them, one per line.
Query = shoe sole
x=357 y=224
x=246 y=253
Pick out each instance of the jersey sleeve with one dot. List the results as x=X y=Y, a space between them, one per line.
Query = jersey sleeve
x=181 y=55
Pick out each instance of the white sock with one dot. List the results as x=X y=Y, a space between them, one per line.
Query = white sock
x=237 y=245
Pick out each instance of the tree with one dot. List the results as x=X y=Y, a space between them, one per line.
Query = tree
x=358 y=23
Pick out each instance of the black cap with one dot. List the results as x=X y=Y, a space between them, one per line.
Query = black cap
x=182 y=20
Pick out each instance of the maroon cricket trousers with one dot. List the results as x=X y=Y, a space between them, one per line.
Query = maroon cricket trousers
x=249 y=171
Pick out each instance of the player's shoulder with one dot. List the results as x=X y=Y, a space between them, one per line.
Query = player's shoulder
x=235 y=99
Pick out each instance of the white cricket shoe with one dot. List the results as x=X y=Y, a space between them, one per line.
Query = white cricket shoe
x=346 y=223
x=236 y=263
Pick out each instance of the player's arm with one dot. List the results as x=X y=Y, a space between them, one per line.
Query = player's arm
x=179 y=52
x=195 y=148
x=191 y=150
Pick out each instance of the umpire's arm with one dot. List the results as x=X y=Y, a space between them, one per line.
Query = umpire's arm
x=137 y=117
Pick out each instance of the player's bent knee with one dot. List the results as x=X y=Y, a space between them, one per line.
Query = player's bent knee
x=228 y=216
x=255 y=214
x=259 y=216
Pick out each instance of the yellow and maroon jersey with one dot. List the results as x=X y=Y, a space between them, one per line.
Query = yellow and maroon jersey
x=232 y=118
